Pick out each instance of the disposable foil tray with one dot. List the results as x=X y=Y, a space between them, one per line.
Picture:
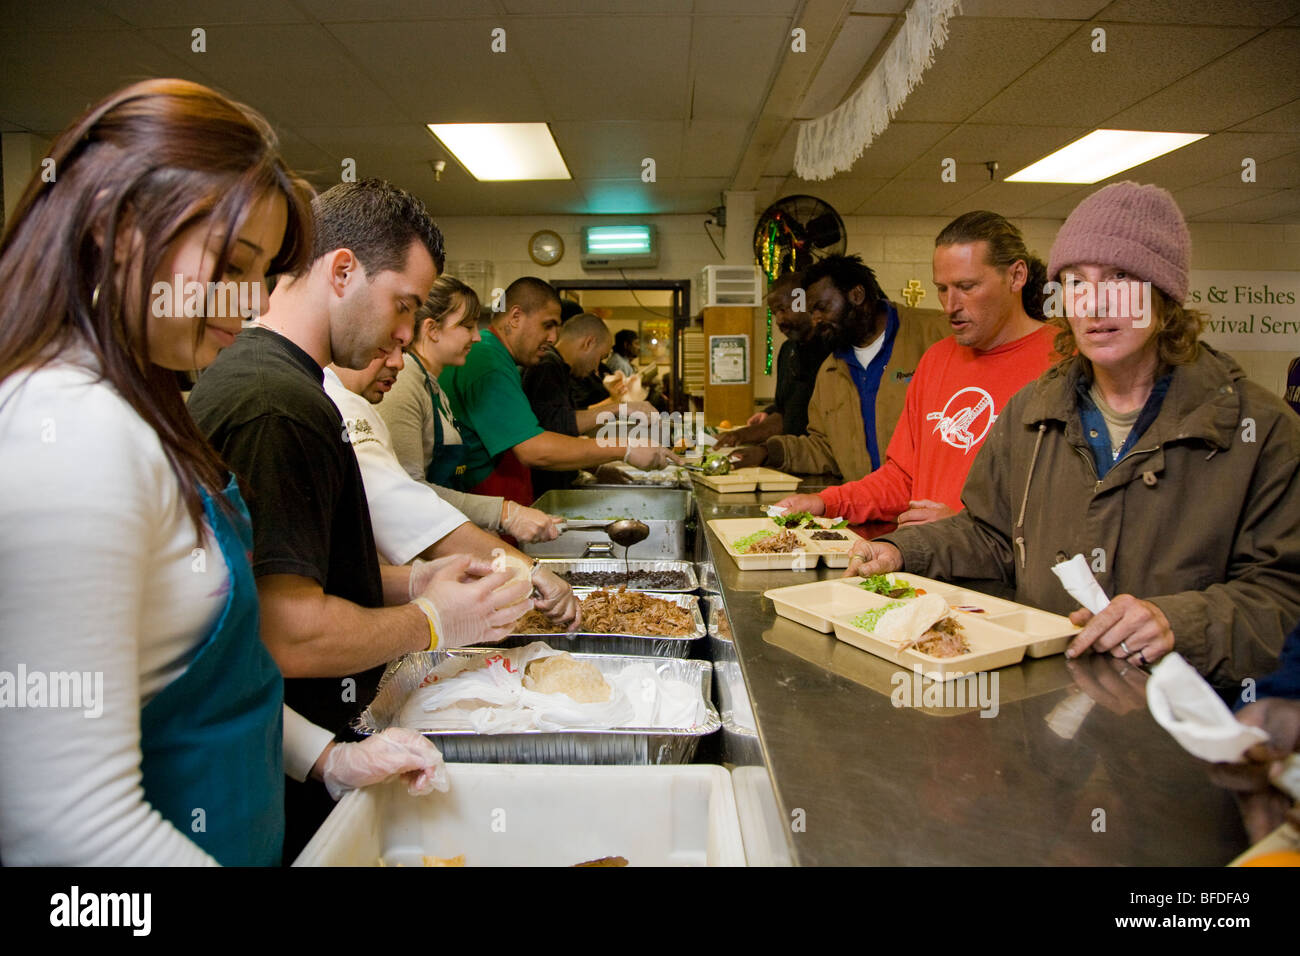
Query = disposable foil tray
x=563 y=566
x=622 y=745
x=631 y=645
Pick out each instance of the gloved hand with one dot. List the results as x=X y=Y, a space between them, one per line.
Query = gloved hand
x=528 y=524
x=471 y=603
x=375 y=759
x=650 y=457
x=556 y=599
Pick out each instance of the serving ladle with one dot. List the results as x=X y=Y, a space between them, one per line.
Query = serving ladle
x=624 y=532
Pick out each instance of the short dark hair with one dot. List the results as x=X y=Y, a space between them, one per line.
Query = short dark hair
x=585 y=324
x=530 y=294
x=846 y=273
x=1006 y=246
x=377 y=221
x=623 y=338
x=569 y=308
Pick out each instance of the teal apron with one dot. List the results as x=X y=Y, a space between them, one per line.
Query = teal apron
x=212 y=740
x=447 y=465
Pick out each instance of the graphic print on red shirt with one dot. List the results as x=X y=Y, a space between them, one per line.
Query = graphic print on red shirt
x=952 y=402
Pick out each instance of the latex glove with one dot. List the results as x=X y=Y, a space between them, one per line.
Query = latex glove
x=397 y=750
x=528 y=524
x=650 y=457
x=423 y=572
x=556 y=599
x=472 y=604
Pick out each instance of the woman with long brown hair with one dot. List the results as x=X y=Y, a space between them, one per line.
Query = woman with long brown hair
x=145 y=721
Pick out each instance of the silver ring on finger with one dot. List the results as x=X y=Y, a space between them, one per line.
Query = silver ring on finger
x=1124 y=647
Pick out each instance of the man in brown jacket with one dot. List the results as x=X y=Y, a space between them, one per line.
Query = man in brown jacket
x=861 y=386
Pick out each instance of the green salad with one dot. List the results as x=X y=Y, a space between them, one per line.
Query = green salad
x=744 y=544
x=805 y=519
x=869 y=619
x=886 y=585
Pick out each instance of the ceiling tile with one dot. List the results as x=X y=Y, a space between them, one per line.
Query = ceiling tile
x=1283 y=119
x=897 y=148
x=1210 y=159
x=849 y=53
x=603 y=68
x=844 y=195
x=733 y=59
x=1013 y=200
x=1280 y=173
x=1252 y=78
x=615 y=150
x=628 y=197
x=1205 y=199
x=331 y=11
x=1041 y=9
x=24 y=16
x=298 y=75
x=401 y=56
x=713 y=147
x=972 y=145
x=980 y=58
x=1084 y=87
x=597 y=8
x=1268 y=208
x=203 y=13
x=1265 y=13
x=904 y=198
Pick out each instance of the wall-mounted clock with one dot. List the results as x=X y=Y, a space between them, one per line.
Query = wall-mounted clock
x=546 y=247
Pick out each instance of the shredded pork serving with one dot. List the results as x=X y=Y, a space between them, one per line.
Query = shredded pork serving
x=775 y=544
x=945 y=639
x=620 y=612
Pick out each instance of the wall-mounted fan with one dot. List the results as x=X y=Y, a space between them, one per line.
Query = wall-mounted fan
x=795 y=232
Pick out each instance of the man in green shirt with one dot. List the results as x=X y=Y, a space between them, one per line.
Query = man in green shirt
x=502 y=436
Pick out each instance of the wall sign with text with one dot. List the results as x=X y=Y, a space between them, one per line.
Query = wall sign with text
x=1248 y=311
x=728 y=359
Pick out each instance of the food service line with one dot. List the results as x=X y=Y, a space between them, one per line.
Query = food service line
x=1071 y=769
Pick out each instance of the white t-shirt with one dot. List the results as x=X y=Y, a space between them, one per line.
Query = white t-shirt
x=406 y=515
x=867 y=353
x=98 y=575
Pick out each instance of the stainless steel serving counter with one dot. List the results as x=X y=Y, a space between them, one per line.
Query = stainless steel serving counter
x=1071 y=769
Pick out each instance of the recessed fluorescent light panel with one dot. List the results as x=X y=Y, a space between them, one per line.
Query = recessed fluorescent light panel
x=1101 y=154
x=499 y=152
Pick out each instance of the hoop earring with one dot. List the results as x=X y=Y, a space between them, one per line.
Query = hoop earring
x=94 y=297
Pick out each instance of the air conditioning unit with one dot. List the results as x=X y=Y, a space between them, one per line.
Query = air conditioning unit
x=732 y=285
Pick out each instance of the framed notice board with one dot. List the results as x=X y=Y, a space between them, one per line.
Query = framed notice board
x=728 y=359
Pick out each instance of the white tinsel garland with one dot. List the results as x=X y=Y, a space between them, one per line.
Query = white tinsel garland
x=833 y=143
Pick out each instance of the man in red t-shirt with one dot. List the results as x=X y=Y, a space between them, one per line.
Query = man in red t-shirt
x=991 y=289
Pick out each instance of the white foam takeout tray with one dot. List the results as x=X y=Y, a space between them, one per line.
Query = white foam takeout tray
x=742 y=480
x=512 y=815
x=835 y=554
x=1000 y=632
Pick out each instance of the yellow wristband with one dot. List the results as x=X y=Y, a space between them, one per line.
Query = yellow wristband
x=425 y=605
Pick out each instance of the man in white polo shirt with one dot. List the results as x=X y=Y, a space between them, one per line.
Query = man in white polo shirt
x=409 y=519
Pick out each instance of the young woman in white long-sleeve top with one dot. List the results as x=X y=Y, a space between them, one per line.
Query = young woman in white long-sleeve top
x=141 y=718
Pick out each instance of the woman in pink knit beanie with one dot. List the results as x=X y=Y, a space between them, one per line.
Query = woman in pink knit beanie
x=1144 y=450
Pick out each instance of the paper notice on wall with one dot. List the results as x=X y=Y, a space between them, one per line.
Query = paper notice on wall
x=1248 y=311
x=728 y=359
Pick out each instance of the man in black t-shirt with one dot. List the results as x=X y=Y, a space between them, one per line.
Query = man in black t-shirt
x=331 y=615
x=582 y=344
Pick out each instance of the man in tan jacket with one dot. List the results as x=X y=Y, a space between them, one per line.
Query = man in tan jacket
x=860 y=388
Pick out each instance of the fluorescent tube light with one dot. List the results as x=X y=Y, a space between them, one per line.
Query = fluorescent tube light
x=497 y=152
x=1101 y=154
